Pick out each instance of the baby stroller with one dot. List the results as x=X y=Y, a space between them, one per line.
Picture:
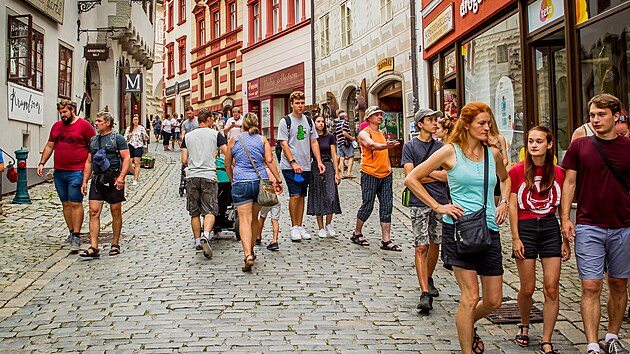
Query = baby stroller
x=182 y=181
x=227 y=218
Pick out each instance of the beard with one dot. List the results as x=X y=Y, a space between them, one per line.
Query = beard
x=66 y=120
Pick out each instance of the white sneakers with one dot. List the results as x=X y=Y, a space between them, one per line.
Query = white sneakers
x=135 y=183
x=330 y=230
x=305 y=235
x=322 y=233
x=298 y=233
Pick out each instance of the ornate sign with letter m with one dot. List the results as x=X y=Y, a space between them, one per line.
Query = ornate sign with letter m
x=133 y=83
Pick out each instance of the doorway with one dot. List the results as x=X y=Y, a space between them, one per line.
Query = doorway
x=551 y=88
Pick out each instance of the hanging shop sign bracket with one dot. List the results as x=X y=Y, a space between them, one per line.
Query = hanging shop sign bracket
x=86 y=5
x=111 y=30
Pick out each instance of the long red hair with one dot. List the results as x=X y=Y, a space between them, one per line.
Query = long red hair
x=549 y=171
x=466 y=117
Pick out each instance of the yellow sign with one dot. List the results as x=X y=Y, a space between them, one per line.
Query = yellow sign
x=51 y=8
x=384 y=65
x=439 y=27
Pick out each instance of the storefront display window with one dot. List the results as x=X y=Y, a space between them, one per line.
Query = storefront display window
x=449 y=63
x=393 y=125
x=435 y=82
x=278 y=113
x=496 y=82
x=605 y=62
x=265 y=117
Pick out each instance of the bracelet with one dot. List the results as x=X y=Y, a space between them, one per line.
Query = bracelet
x=41 y=163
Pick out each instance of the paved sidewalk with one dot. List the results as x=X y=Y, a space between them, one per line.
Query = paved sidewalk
x=159 y=295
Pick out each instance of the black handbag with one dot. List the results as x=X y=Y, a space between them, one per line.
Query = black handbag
x=471 y=231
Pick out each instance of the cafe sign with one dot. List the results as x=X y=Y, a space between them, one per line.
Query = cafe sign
x=384 y=65
x=441 y=25
x=24 y=104
x=252 y=89
x=50 y=8
x=96 y=51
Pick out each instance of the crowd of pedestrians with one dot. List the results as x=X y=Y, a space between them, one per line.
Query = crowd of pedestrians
x=455 y=170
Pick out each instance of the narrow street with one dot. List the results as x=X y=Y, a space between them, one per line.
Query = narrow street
x=159 y=295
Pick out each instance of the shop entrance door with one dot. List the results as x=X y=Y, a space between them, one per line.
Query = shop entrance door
x=551 y=89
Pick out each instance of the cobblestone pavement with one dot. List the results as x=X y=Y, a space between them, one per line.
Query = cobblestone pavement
x=160 y=295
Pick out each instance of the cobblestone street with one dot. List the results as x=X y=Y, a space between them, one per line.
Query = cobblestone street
x=159 y=295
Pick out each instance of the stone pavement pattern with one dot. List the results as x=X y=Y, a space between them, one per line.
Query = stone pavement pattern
x=160 y=295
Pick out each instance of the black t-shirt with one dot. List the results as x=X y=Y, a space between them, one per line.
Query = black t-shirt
x=413 y=152
x=325 y=141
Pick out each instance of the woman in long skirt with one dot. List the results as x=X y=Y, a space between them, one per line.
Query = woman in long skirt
x=323 y=198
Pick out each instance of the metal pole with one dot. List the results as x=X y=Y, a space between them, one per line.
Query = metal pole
x=414 y=53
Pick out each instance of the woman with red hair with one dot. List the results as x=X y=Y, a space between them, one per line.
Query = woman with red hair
x=464 y=159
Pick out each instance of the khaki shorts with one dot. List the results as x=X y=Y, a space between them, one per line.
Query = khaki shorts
x=427 y=226
x=275 y=212
x=202 y=196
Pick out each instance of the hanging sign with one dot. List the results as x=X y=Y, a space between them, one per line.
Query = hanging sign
x=24 y=104
x=439 y=27
x=96 y=51
x=133 y=83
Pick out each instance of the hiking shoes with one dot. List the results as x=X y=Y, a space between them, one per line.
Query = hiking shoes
x=205 y=246
x=613 y=346
x=432 y=289
x=426 y=302
x=75 y=244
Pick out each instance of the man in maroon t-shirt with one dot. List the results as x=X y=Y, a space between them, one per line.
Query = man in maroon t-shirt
x=602 y=230
x=69 y=139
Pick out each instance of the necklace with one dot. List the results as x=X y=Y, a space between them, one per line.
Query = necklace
x=477 y=156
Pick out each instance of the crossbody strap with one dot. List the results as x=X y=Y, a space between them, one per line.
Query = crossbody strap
x=485 y=176
x=250 y=157
x=615 y=173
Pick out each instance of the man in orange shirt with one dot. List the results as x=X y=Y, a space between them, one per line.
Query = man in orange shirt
x=376 y=180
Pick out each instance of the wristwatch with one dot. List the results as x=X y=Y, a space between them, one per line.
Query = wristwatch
x=292 y=162
x=507 y=202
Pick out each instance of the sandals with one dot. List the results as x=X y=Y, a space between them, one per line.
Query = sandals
x=91 y=252
x=477 y=345
x=114 y=250
x=552 y=351
x=521 y=338
x=390 y=246
x=249 y=262
x=359 y=240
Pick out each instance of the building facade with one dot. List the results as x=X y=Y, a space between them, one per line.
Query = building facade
x=60 y=49
x=533 y=62
x=276 y=58
x=155 y=80
x=176 y=57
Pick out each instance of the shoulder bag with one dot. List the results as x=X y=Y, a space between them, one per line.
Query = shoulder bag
x=471 y=231
x=406 y=194
x=614 y=172
x=266 y=192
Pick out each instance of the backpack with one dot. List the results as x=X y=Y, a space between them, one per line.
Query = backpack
x=288 y=121
x=95 y=146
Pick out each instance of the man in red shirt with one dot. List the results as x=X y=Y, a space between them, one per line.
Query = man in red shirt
x=69 y=139
x=597 y=170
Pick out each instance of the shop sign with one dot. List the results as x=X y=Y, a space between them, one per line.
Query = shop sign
x=171 y=90
x=50 y=8
x=183 y=86
x=227 y=103
x=439 y=27
x=542 y=12
x=469 y=6
x=289 y=78
x=133 y=83
x=384 y=65
x=96 y=51
x=581 y=11
x=252 y=89
x=24 y=104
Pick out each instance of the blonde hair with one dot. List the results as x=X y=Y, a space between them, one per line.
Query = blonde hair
x=250 y=123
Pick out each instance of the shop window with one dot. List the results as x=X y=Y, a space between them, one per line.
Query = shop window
x=65 y=72
x=435 y=84
x=170 y=60
x=182 y=11
x=232 y=16
x=497 y=85
x=604 y=60
x=386 y=11
x=216 y=24
x=215 y=80
x=181 y=47
x=346 y=23
x=232 y=66
x=596 y=7
x=201 y=85
x=324 y=36
x=201 y=31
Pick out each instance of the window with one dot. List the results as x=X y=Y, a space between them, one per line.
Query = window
x=502 y=53
x=386 y=11
x=346 y=23
x=20 y=46
x=181 y=47
x=275 y=16
x=232 y=16
x=201 y=31
x=255 y=23
x=232 y=66
x=169 y=15
x=182 y=11
x=216 y=24
x=297 y=10
x=170 y=60
x=201 y=85
x=324 y=37
x=65 y=72
x=215 y=80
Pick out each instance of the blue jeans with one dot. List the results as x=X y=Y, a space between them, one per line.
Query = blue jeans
x=68 y=185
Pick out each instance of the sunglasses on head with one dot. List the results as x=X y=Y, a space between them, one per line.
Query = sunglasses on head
x=63 y=103
x=623 y=119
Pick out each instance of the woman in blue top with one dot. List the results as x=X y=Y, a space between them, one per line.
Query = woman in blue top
x=463 y=160
x=245 y=180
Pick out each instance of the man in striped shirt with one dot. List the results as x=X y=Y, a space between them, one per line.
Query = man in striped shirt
x=345 y=150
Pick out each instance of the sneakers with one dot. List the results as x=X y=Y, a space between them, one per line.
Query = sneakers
x=426 y=302
x=273 y=246
x=295 y=234
x=205 y=246
x=432 y=289
x=322 y=233
x=68 y=240
x=613 y=346
x=331 y=230
x=75 y=244
x=135 y=183
x=303 y=234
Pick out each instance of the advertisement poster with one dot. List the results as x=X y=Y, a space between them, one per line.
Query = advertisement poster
x=393 y=125
x=504 y=109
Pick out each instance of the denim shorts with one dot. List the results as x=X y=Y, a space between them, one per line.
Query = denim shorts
x=541 y=237
x=297 y=189
x=599 y=250
x=135 y=151
x=245 y=192
x=68 y=185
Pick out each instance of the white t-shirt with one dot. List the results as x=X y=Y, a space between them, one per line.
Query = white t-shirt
x=166 y=125
x=175 y=125
x=235 y=131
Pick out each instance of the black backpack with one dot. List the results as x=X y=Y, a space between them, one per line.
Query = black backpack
x=288 y=120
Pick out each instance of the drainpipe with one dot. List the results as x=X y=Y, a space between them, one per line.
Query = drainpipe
x=414 y=54
x=313 y=50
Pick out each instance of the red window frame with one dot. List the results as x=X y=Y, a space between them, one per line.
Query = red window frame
x=200 y=78
x=201 y=30
x=231 y=15
x=215 y=19
x=65 y=72
x=271 y=8
x=254 y=35
x=170 y=9
x=181 y=47
x=216 y=78
x=182 y=12
x=170 y=60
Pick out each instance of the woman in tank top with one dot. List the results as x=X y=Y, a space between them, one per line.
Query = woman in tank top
x=463 y=160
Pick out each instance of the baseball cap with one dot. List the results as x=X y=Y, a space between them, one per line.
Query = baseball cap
x=100 y=160
x=425 y=112
x=372 y=110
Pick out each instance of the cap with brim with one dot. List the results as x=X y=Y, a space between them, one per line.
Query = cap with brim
x=372 y=110
x=425 y=112
x=100 y=160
